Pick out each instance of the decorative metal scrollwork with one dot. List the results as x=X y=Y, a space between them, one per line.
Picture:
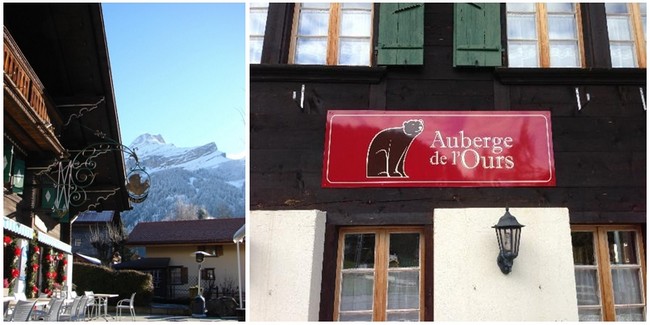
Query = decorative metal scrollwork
x=72 y=177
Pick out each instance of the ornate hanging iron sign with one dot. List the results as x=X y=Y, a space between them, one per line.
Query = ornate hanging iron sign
x=70 y=179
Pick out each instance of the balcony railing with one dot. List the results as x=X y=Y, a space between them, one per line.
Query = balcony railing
x=20 y=72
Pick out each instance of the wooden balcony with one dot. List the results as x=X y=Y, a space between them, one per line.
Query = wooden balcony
x=30 y=116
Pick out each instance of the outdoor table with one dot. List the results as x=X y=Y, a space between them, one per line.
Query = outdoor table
x=101 y=299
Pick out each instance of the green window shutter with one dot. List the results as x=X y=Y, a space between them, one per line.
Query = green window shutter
x=18 y=177
x=401 y=34
x=477 y=34
x=8 y=158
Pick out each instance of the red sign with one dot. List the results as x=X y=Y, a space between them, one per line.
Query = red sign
x=438 y=149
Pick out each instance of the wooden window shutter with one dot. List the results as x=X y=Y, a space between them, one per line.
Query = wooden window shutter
x=477 y=34
x=401 y=34
x=184 y=275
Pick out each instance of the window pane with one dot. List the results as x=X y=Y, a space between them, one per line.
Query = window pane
x=616 y=8
x=559 y=7
x=564 y=54
x=522 y=27
x=355 y=23
x=583 y=248
x=404 y=250
x=357 y=291
x=354 y=52
x=622 y=55
x=355 y=317
x=315 y=5
x=589 y=315
x=587 y=287
x=404 y=289
x=622 y=247
x=256 y=49
x=359 y=251
x=618 y=29
x=629 y=314
x=358 y=5
x=521 y=54
x=562 y=27
x=313 y=23
x=311 y=51
x=520 y=7
x=403 y=316
x=627 y=286
x=257 y=22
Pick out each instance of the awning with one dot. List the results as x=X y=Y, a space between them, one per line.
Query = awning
x=27 y=232
x=17 y=228
x=88 y=259
x=53 y=242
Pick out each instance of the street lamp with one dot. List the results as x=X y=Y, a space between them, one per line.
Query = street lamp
x=508 y=231
x=198 y=306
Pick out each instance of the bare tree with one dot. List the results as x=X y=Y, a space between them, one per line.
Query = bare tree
x=106 y=241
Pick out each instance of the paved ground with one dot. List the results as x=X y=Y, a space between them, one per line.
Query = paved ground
x=162 y=318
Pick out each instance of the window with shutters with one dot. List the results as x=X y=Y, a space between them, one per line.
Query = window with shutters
x=544 y=35
x=610 y=273
x=379 y=274
x=258 y=12
x=626 y=24
x=332 y=34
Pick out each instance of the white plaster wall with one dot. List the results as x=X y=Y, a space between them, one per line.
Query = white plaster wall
x=286 y=258
x=468 y=284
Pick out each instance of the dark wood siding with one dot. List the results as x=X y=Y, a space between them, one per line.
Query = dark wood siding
x=600 y=151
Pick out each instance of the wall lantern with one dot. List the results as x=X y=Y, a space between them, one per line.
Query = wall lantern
x=508 y=232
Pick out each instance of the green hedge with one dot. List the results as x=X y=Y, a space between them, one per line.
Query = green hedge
x=102 y=279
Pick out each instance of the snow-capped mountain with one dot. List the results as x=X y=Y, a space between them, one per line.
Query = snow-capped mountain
x=185 y=181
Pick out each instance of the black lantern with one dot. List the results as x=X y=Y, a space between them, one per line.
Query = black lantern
x=508 y=232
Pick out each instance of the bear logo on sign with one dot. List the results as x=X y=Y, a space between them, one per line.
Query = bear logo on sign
x=388 y=148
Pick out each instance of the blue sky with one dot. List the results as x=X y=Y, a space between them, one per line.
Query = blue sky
x=179 y=71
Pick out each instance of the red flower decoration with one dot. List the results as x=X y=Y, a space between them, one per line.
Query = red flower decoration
x=7 y=240
x=64 y=278
x=35 y=289
x=65 y=262
x=60 y=256
x=15 y=273
x=17 y=251
x=35 y=267
x=37 y=250
x=49 y=258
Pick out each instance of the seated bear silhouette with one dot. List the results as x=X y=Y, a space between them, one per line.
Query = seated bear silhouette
x=387 y=150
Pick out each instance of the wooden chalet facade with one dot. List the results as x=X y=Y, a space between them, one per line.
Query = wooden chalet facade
x=58 y=100
x=455 y=58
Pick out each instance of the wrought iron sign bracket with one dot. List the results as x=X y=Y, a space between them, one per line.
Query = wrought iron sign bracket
x=71 y=178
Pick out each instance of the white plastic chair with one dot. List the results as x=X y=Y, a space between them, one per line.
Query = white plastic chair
x=92 y=304
x=125 y=304
x=53 y=311
x=71 y=313
x=22 y=311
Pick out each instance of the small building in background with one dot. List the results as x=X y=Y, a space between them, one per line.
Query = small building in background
x=168 y=255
